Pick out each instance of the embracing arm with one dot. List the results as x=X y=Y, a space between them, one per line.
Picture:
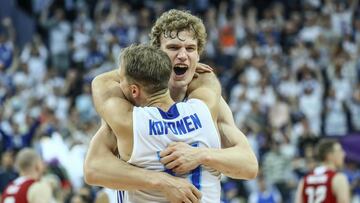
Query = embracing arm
x=104 y=86
x=236 y=159
x=103 y=168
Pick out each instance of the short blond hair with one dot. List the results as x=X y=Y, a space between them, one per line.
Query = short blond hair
x=26 y=159
x=147 y=65
x=177 y=20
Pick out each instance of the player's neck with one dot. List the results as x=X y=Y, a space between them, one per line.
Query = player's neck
x=30 y=174
x=178 y=93
x=161 y=100
x=329 y=165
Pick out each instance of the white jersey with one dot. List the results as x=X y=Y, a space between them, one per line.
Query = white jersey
x=154 y=130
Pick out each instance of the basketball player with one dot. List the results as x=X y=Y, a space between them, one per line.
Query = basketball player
x=143 y=132
x=325 y=184
x=182 y=36
x=27 y=188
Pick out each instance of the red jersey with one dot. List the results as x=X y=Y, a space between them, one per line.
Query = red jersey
x=16 y=191
x=317 y=186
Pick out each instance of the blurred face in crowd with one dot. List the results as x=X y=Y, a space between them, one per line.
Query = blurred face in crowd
x=183 y=53
x=7 y=159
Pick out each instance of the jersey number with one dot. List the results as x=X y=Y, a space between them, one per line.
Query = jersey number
x=316 y=194
x=9 y=200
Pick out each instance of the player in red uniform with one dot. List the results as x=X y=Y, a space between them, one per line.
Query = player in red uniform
x=325 y=184
x=26 y=188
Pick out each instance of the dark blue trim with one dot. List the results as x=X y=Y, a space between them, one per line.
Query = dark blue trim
x=171 y=113
x=195 y=177
x=196 y=173
x=195 y=144
x=120 y=197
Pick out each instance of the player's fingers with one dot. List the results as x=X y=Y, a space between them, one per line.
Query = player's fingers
x=205 y=67
x=166 y=151
x=196 y=192
x=181 y=169
x=167 y=159
x=172 y=164
x=188 y=201
x=178 y=172
x=193 y=198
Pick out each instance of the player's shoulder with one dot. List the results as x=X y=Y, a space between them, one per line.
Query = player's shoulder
x=339 y=176
x=207 y=76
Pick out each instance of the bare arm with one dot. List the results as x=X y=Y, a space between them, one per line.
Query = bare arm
x=105 y=86
x=39 y=192
x=103 y=168
x=298 y=197
x=341 y=188
x=236 y=159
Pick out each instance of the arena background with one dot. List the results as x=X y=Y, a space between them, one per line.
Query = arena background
x=289 y=69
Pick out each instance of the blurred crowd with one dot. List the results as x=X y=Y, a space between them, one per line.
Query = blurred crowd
x=290 y=71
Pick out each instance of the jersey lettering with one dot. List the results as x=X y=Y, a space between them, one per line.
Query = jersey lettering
x=182 y=126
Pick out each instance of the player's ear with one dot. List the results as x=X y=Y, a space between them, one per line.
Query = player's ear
x=135 y=90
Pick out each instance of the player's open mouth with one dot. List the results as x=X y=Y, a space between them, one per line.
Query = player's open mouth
x=180 y=70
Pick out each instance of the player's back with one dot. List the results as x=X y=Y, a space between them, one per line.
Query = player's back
x=16 y=191
x=317 y=186
x=154 y=130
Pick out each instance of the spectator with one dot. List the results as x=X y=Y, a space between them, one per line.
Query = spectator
x=7 y=170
